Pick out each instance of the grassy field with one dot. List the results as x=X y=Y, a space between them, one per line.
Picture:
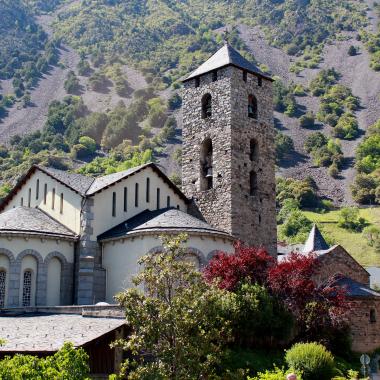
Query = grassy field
x=353 y=242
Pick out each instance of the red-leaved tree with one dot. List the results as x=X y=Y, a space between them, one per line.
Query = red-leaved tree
x=247 y=264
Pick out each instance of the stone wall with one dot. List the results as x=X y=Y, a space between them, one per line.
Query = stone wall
x=365 y=334
x=339 y=261
x=229 y=205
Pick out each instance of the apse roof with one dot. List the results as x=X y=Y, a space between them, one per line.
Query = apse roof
x=226 y=56
x=315 y=241
x=164 y=220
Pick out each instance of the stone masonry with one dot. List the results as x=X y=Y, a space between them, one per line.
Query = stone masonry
x=229 y=205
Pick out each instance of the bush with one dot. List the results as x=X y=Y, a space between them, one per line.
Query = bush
x=308 y=120
x=349 y=219
x=71 y=84
x=295 y=228
x=352 y=50
x=347 y=127
x=283 y=145
x=275 y=374
x=372 y=235
x=313 y=360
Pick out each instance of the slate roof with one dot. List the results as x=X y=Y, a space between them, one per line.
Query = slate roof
x=168 y=219
x=77 y=182
x=354 y=288
x=226 y=56
x=33 y=221
x=41 y=333
x=315 y=241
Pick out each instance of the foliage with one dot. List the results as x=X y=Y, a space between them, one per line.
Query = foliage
x=349 y=219
x=323 y=81
x=372 y=235
x=307 y=120
x=248 y=263
x=178 y=321
x=295 y=227
x=66 y=364
x=71 y=84
x=312 y=360
x=352 y=50
x=283 y=145
x=283 y=98
x=275 y=374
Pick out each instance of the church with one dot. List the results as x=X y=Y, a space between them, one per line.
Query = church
x=70 y=239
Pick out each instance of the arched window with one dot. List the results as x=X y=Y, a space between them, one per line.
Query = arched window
x=37 y=189
x=61 y=204
x=45 y=193
x=148 y=190
x=22 y=201
x=53 y=199
x=253 y=150
x=158 y=198
x=372 y=316
x=114 y=203
x=168 y=201
x=252 y=107
x=3 y=278
x=206 y=182
x=29 y=196
x=27 y=288
x=206 y=106
x=252 y=183
x=260 y=81
x=136 y=195
x=125 y=199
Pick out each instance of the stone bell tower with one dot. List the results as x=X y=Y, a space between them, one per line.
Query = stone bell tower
x=228 y=161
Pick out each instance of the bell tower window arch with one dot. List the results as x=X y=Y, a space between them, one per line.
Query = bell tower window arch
x=252 y=107
x=206 y=106
x=252 y=183
x=206 y=165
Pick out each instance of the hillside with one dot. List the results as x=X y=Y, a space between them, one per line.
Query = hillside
x=108 y=52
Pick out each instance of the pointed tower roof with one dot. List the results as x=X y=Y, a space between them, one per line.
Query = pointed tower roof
x=226 y=56
x=315 y=241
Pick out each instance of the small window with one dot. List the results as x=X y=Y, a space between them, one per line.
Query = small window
x=29 y=196
x=244 y=76
x=259 y=219
x=27 y=288
x=206 y=106
x=3 y=278
x=197 y=82
x=22 y=201
x=158 y=198
x=61 y=204
x=53 y=199
x=136 y=195
x=125 y=199
x=260 y=81
x=252 y=183
x=206 y=163
x=252 y=107
x=45 y=193
x=253 y=149
x=168 y=201
x=114 y=204
x=37 y=189
x=147 y=190
x=372 y=316
x=214 y=76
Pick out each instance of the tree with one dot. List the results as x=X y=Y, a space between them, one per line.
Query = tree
x=352 y=50
x=372 y=235
x=178 y=322
x=250 y=264
x=307 y=120
x=350 y=220
x=295 y=227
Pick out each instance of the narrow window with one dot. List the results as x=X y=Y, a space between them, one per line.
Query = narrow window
x=372 y=316
x=253 y=150
x=252 y=107
x=244 y=76
x=27 y=288
x=252 y=183
x=177 y=207
x=197 y=82
x=61 y=204
x=45 y=193
x=22 y=201
x=37 y=189
x=113 y=204
x=168 y=201
x=158 y=198
x=214 y=76
x=148 y=190
x=3 y=278
x=206 y=106
x=53 y=199
x=29 y=196
x=125 y=199
x=136 y=195
x=260 y=81
x=206 y=165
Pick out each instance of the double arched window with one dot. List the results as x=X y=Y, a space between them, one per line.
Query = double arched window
x=206 y=106
x=252 y=106
x=206 y=180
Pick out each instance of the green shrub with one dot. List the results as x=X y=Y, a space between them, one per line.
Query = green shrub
x=275 y=374
x=71 y=84
x=307 y=120
x=295 y=228
x=313 y=360
x=283 y=145
x=352 y=50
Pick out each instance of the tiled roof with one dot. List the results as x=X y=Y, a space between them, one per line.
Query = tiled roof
x=41 y=333
x=354 y=288
x=78 y=182
x=226 y=56
x=107 y=180
x=32 y=221
x=315 y=241
x=168 y=219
